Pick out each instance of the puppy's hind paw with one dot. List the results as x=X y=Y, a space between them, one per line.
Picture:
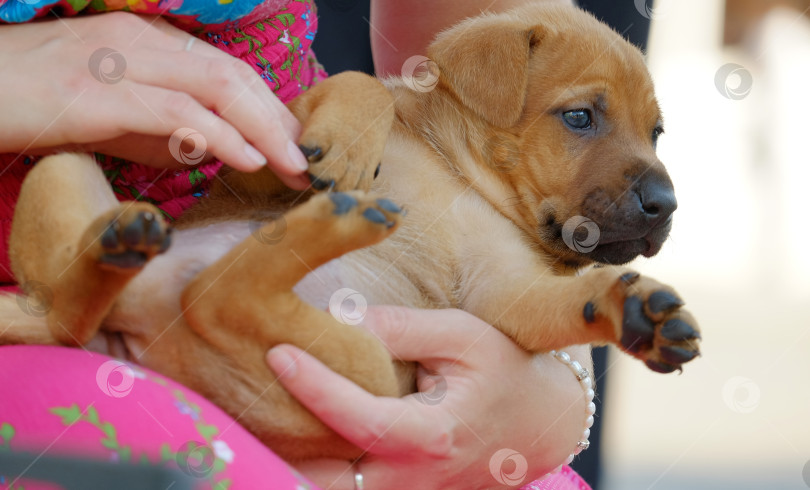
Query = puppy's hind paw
x=132 y=236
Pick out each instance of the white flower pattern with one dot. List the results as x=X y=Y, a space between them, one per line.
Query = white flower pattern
x=223 y=451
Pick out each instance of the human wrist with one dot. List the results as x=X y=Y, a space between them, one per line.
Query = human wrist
x=585 y=378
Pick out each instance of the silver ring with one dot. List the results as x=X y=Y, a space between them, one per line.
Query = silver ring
x=190 y=43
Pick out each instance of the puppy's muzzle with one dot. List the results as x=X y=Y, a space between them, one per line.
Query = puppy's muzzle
x=637 y=223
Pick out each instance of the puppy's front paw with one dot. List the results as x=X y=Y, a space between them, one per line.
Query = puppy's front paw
x=655 y=328
x=133 y=234
x=345 y=122
x=339 y=167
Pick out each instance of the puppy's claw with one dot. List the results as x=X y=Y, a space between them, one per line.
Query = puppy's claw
x=319 y=184
x=313 y=155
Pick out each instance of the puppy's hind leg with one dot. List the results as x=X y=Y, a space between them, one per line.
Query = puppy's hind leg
x=244 y=304
x=75 y=247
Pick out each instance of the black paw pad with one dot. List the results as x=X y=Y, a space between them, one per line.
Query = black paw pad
x=377 y=170
x=678 y=330
x=677 y=355
x=143 y=230
x=661 y=367
x=637 y=330
x=589 y=312
x=313 y=155
x=319 y=184
x=343 y=202
x=129 y=259
x=389 y=206
x=167 y=240
x=376 y=216
x=661 y=301
x=109 y=239
x=153 y=235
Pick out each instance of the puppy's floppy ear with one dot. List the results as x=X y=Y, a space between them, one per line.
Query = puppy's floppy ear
x=485 y=63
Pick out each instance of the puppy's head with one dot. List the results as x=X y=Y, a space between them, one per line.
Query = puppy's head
x=568 y=122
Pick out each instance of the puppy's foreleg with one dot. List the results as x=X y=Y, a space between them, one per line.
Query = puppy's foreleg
x=615 y=305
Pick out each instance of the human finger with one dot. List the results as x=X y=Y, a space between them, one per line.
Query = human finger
x=420 y=335
x=235 y=92
x=379 y=425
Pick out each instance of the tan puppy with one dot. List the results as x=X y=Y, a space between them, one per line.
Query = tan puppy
x=539 y=133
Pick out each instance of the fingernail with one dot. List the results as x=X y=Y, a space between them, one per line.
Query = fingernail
x=281 y=362
x=255 y=155
x=298 y=159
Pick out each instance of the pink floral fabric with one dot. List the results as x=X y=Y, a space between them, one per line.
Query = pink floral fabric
x=273 y=39
x=76 y=403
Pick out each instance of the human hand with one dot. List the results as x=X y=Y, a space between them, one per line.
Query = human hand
x=60 y=92
x=478 y=393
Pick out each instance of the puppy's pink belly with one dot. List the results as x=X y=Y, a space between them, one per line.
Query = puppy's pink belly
x=150 y=304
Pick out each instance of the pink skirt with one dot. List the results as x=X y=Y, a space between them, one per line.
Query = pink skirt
x=61 y=401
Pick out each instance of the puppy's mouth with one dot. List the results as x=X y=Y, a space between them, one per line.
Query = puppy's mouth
x=599 y=243
x=621 y=247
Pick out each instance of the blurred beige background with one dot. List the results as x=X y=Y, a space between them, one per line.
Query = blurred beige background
x=739 y=417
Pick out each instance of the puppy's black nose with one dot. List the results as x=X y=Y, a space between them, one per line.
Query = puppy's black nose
x=656 y=198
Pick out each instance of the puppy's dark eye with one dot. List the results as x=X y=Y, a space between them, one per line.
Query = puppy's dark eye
x=658 y=131
x=578 y=119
